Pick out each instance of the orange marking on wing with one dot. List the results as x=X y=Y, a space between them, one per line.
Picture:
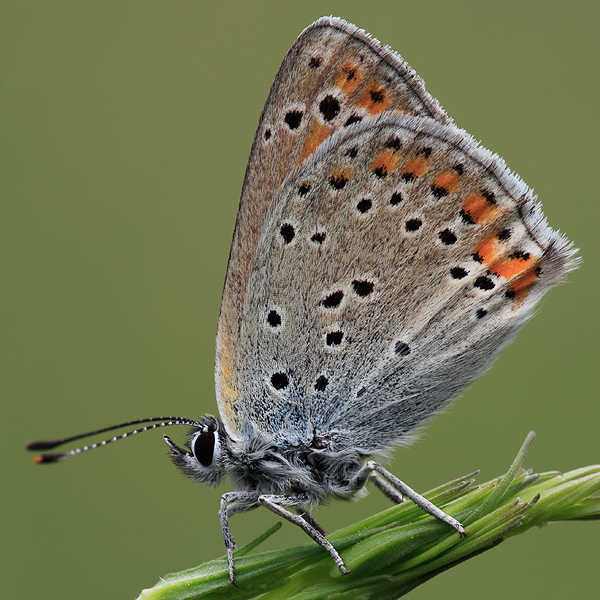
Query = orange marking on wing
x=350 y=78
x=375 y=99
x=415 y=167
x=387 y=161
x=227 y=376
x=318 y=134
x=478 y=208
x=342 y=174
x=512 y=267
x=448 y=181
x=520 y=288
x=487 y=249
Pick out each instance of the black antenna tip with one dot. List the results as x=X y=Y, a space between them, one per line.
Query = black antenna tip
x=42 y=445
x=41 y=459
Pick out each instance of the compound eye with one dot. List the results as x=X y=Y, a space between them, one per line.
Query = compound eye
x=204 y=448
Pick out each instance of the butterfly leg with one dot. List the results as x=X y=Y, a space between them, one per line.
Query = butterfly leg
x=273 y=503
x=387 y=489
x=238 y=501
x=237 y=507
x=372 y=467
x=310 y=519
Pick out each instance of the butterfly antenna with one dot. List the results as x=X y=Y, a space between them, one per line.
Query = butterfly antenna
x=56 y=457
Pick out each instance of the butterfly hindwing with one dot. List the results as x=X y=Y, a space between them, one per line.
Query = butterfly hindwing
x=391 y=270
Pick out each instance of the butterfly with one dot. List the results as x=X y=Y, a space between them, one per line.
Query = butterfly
x=380 y=262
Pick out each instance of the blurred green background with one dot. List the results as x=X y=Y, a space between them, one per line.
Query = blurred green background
x=125 y=130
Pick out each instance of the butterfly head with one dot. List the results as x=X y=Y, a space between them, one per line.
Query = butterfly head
x=206 y=457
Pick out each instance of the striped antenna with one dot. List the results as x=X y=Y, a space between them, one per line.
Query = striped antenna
x=57 y=457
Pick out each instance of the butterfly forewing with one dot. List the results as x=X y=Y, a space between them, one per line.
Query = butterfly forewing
x=334 y=76
x=405 y=244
